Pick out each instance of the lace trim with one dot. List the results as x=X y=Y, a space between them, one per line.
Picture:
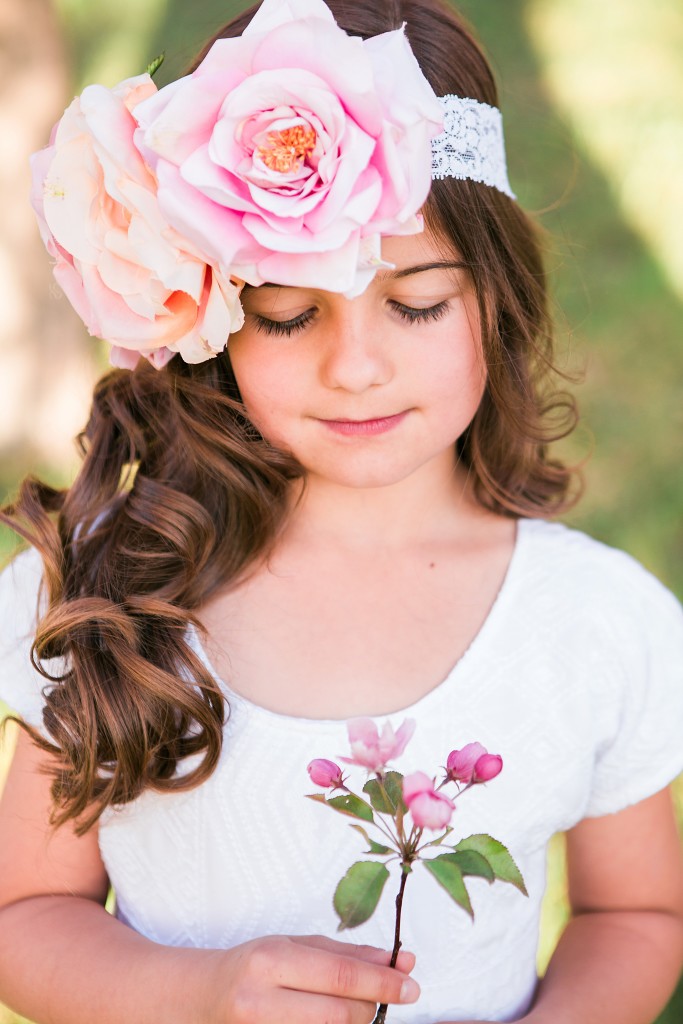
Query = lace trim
x=471 y=145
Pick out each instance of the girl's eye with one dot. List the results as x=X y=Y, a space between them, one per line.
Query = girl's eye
x=414 y=314
x=284 y=327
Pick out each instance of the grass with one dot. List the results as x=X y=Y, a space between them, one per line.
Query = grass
x=583 y=85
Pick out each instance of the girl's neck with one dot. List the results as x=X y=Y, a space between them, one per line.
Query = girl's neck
x=429 y=506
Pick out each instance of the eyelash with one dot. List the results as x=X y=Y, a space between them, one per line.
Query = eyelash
x=408 y=313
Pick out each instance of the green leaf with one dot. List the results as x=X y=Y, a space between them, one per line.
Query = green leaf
x=472 y=863
x=448 y=874
x=374 y=847
x=393 y=787
x=438 y=842
x=358 y=893
x=498 y=857
x=155 y=65
x=349 y=803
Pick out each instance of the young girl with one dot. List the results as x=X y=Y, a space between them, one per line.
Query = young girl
x=343 y=513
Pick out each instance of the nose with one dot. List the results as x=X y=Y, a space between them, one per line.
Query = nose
x=355 y=356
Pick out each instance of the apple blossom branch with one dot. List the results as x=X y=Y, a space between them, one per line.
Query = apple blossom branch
x=389 y=798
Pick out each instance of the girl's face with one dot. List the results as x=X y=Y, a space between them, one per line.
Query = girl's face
x=365 y=392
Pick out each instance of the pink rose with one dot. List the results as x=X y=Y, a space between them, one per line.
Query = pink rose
x=131 y=278
x=473 y=764
x=291 y=144
x=372 y=751
x=325 y=773
x=428 y=808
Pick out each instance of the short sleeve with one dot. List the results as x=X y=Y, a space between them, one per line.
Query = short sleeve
x=641 y=749
x=20 y=684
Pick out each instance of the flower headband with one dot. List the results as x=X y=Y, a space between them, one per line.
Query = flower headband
x=284 y=157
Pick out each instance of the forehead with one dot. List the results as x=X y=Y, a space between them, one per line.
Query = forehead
x=404 y=252
x=413 y=250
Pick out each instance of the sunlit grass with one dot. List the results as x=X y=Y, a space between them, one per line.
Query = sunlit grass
x=616 y=70
x=111 y=41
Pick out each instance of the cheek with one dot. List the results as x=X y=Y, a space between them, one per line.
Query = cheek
x=459 y=368
x=474 y=368
x=251 y=370
x=266 y=380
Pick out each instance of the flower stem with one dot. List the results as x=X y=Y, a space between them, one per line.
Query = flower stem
x=405 y=869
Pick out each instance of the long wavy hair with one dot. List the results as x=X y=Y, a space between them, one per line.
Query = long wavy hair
x=178 y=495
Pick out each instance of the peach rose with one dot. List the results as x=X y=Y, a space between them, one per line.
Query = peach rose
x=131 y=277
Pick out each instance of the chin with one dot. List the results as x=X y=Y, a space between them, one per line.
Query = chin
x=360 y=473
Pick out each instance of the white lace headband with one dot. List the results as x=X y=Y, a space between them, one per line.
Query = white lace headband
x=471 y=144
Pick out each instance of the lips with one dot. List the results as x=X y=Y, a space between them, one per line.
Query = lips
x=365 y=428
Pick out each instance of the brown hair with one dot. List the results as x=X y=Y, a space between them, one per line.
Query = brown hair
x=178 y=495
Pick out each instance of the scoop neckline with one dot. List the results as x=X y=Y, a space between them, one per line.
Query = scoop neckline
x=465 y=663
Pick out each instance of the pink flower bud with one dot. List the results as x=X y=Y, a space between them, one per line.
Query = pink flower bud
x=428 y=808
x=325 y=773
x=460 y=763
x=487 y=767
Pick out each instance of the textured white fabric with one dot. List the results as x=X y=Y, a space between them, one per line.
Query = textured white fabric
x=576 y=678
x=472 y=144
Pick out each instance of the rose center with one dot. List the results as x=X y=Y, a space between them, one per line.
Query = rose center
x=285 y=151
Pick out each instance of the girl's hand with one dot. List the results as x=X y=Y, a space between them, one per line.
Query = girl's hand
x=305 y=980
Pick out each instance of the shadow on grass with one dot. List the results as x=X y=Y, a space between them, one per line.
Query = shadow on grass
x=184 y=30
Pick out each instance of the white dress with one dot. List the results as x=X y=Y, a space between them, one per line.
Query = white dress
x=576 y=678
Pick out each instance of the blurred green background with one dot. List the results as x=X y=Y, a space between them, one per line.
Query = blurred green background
x=593 y=101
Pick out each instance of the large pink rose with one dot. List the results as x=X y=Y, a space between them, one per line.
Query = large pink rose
x=132 y=279
x=293 y=148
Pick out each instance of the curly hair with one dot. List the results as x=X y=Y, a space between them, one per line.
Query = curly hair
x=178 y=495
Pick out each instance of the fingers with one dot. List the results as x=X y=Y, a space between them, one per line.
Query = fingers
x=372 y=954
x=298 y=979
x=335 y=973
x=299 y=1008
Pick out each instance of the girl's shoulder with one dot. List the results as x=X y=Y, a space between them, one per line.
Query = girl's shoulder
x=20 y=597
x=586 y=573
x=606 y=637
x=21 y=604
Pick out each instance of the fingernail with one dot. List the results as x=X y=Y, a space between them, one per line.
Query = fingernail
x=410 y=990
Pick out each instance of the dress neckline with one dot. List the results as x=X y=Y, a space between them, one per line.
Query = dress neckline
x=471 y=657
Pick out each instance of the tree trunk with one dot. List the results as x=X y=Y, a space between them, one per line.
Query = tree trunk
x=47 y=364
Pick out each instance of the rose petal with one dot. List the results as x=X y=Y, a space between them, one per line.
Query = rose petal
x=273 y=13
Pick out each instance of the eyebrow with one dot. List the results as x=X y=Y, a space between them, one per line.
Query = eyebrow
x=422 y=267
x=384 y=275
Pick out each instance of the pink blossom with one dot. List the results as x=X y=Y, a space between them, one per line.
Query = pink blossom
x=372 y=750
x=487 y=767
x=131 y=278
x=291 y=144
x=428 y=808
x=473 y=764
x=325 y=773
x=460 y=763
